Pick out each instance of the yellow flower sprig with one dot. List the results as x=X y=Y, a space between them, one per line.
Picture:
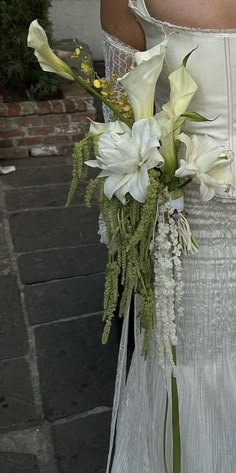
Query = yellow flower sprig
x=50 y=62
x=106 y=87
x=119 y=98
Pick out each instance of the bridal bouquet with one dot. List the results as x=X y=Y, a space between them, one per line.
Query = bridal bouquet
x=145 y=161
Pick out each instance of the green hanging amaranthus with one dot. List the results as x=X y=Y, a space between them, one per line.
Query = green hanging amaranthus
x=130 y=230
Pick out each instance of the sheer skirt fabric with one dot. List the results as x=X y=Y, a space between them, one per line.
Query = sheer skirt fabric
x=206 y=362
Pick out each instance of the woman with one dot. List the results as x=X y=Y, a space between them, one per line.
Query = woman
x=206 y=353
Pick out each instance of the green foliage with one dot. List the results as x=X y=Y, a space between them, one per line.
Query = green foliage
x=19 y=68
x=81 y=153
x=130 y=230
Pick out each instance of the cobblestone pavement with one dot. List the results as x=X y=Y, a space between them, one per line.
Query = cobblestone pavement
x=57 y=379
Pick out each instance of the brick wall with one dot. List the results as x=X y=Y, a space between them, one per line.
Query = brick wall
x=44 y=128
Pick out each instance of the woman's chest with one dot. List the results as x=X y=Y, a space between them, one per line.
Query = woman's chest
x=219 y=14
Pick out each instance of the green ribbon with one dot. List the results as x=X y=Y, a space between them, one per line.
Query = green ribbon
x=175 y=423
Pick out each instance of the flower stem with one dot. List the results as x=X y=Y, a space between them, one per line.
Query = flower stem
x=103 y=99
x=175 y=423
x=165 y=428
x=185 y=183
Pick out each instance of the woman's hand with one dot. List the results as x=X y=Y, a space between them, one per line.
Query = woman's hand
x=118 y=20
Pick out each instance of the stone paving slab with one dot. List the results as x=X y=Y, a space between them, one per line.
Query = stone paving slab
x=61 y=270
x=63 y=299
x=18 y=463
x=42 y=196
x=28 y=177
x=81 y=445
x=61 y=227
x=13 y=335
x=42 y=266
x=47 y=161
x=16 y=396
x=5 y=260
x=32 y=442
x=80 y=372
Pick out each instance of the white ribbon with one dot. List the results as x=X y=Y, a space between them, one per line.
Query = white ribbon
x=120 y=383
x=178 y=204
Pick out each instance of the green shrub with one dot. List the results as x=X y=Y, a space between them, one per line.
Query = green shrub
x=19 y=69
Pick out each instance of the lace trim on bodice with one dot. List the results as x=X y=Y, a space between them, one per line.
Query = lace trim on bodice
x=118 y=58
x=117 y=43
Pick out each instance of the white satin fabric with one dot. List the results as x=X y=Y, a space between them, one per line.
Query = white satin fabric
x=206 y=353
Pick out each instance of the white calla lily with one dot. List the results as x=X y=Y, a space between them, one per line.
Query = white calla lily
x=126 y=159
x=206 y=162
x=48 y=60
x=166 y=124
x=182 y=91
x=140 y=82
x=116 y=127
x=168 y=144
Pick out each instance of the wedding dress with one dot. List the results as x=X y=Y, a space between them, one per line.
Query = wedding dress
x=206 y=351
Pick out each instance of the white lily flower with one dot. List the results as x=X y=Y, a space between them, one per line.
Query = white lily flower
x=182 y=90
x=140 y=82
x=48 y=60
x=206 y=162
x=116 y=127
x=126 y=159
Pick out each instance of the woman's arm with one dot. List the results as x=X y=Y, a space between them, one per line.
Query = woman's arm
x=118 y=20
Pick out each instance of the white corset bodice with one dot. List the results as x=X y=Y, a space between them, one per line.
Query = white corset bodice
x=213 y=67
